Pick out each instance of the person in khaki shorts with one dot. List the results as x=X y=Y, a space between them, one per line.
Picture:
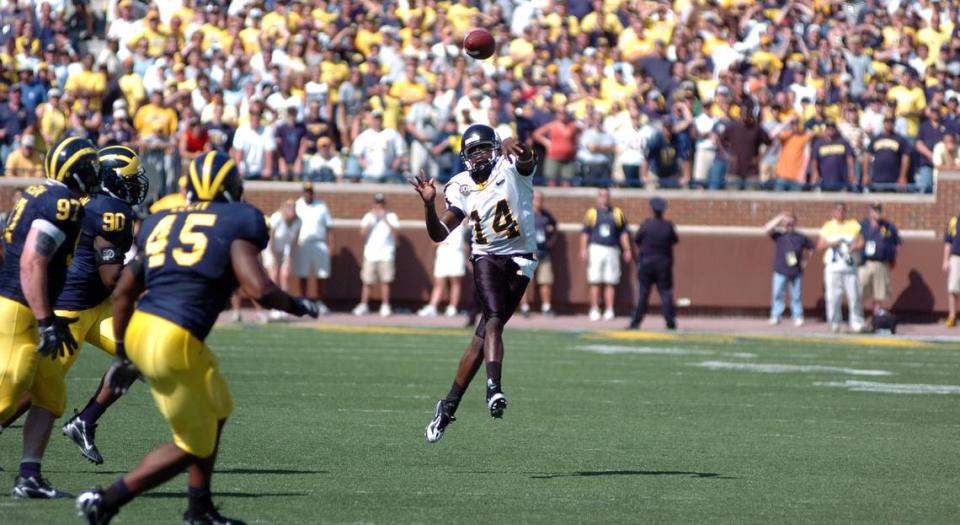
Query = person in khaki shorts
x=951 y=266
x=379 y=230
x=543 y=277
x=879 y=254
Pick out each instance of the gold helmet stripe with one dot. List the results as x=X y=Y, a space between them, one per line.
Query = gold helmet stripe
x=63 y=170
x=132 y=168
x=52 y=158
x=217 y=183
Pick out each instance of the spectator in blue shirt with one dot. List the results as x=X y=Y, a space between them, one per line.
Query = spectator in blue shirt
x=603 y=242
x=833 y=163
x=887 y=160
x=790 y=258
x=931 y=132
x=662 y=160
x=879 y=254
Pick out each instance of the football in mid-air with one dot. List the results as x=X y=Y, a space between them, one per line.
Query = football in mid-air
x=478 y=43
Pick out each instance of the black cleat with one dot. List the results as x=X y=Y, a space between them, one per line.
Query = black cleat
x=497 y=403
x=441 y=418
x=90 y=507
x=35 y=488
x=210 y=517
x=83 y=435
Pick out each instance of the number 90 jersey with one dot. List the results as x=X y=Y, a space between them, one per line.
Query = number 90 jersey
x=500 y=210
x=106 y=217
x=187 y=265
x=48 y=205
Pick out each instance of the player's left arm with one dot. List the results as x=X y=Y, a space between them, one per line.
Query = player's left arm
x=109 y=259
x=256 y=284
x=522 y=155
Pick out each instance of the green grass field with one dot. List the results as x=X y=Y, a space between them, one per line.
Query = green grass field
x=329 y=429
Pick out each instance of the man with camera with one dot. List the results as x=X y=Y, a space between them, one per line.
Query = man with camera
x=840 y=238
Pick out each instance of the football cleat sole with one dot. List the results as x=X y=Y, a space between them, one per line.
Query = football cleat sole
x=497 y=404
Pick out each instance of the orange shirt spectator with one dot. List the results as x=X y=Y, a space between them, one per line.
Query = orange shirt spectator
x=794 y=155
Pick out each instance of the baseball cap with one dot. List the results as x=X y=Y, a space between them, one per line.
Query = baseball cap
x=379 y=198
x=658 y=205
x=28 y=140
x=308 y=186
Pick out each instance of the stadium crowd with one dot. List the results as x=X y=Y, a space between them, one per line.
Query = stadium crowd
x=711 y=94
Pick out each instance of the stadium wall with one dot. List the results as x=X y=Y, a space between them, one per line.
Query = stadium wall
x=723 y=261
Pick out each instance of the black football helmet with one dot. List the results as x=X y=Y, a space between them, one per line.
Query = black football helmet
x=480 y=150
x=214 y=177
x=121 y=174
x=73 y=161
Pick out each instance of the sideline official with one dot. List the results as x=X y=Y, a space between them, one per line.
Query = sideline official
x=655 y=240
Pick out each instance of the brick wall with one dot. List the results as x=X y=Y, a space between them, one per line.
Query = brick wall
x=722 y=263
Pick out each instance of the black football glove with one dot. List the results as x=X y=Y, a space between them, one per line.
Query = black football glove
x=122 y=372
x=303 y=306
x=55 y=337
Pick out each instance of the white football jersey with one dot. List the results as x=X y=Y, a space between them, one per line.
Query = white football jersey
x=500 y=210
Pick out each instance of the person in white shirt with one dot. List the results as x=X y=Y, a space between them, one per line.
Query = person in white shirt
x=379 y=230
x=253 y=147
x=380 y=151
x=284 y=230
x=312 y=256
x=448 y=265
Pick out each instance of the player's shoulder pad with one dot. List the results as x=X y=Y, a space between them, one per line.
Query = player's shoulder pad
x=250 y=223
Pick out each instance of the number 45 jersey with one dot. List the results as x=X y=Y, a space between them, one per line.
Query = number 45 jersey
x=106 y=217
x=500 y=210
x=187 y=265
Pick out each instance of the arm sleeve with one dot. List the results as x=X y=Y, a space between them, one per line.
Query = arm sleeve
x=393 y=220
x=455 y=200
x=366 y=220
x=253 y=227
x=589 y=220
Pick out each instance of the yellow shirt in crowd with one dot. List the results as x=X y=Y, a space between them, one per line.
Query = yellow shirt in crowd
x=153 y=120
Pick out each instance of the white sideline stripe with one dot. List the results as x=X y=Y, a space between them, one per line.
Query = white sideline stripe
x=613 y=349
x=695 y=229
x=892 y=388
x=775 y=368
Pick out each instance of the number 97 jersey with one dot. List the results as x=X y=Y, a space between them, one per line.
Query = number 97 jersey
x=188 y=271
x=500 y=210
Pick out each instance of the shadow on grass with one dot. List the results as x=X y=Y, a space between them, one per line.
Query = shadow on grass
x=598 y=473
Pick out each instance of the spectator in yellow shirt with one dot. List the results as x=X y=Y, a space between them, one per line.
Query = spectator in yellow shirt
x=911 y=101
x=410 y=87
x=152 y=33
x=51 y=119
x=460 y=14
x=24 y=161
x=87 y=81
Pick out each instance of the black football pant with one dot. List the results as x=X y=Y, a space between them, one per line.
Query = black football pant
x=499 y=286
x=659 y=273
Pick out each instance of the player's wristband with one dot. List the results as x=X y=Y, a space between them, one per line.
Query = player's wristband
x=45 y=322
x=121 y=350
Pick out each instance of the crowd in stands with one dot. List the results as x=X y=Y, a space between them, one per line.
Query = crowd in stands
x=711 y=94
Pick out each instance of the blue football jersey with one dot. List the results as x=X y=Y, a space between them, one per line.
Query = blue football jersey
x=106 y=217
x=188 y=272
x=57 y=205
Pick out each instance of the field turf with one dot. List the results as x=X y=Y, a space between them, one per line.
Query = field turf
x=329 y=429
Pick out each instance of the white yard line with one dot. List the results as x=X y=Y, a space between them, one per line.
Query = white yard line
x=776 y=368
